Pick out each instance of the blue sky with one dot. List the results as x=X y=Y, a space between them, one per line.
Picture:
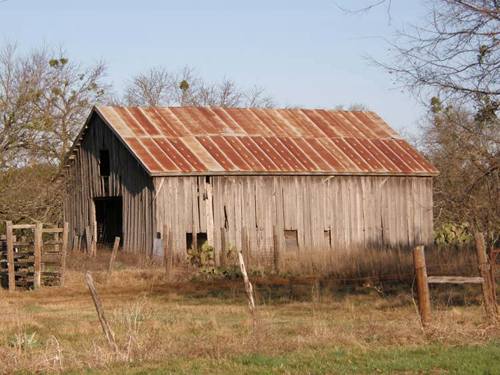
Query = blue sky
x=304 y=53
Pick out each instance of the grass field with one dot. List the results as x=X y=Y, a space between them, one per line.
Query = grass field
x=200 y=326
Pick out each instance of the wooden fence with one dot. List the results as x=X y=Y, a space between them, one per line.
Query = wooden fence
x=32 y=256
x=486 y=279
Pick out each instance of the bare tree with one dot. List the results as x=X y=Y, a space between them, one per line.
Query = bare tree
x=44 y=101
x=455 y=55
x=19 y=96
x=153 y=88
x=68 y=92
x=158 y=87
x=465 y=148
x=455 y=59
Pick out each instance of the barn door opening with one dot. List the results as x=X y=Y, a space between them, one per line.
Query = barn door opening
x=109 y=220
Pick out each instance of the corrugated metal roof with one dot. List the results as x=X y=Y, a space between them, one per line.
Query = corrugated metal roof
x=192 y=140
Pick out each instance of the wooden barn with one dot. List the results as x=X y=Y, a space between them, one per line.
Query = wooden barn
x=297 y=179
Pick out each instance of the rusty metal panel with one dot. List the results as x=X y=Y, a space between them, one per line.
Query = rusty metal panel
x=159 y=154
x=313 y=154
x=249 y=158
x=321 y=123
x=142 y=154
x=161 y=122
x=173 y=154
x=302 y=128
x=387 y=164
x=405 y=157
x=249 y=125
x=187 y=154
x=323 y=150
x=275 y=124
x=228 y=121
x=368 y=157
x=128 y=119
x=263 y=159
x=392 y=156
x=236 y=158
x=274 y=155
x=306 y=164
x=336 y=152
x=351 y=154
x=285 y=153
x=212 y=139
x=216 y=153
x=426 y=166
x=146 y=124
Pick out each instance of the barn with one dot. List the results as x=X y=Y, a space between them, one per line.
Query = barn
x=264 y=179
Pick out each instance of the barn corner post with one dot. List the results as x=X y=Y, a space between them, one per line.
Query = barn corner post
x=424 y=301
x=490 y=305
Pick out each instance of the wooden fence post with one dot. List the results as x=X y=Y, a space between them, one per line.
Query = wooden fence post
x=248 y=285
x=38 y=243
x=10 y=256
x=108 y=332
x=276 y=251
x=88 y=238
x=167 y=251
x=64 y=251
x=424 y=301
x=484 y=268
x=116 y=245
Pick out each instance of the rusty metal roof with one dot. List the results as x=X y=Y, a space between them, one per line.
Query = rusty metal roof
x=213 y=140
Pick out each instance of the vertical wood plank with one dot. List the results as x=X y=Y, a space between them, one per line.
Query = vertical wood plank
x=38 y=244
x=64 y=250
x=10 y=256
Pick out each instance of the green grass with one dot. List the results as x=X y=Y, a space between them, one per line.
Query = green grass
x=432 y=359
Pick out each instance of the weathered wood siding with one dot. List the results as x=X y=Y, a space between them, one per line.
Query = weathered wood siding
x=127 y=179
x=359 y=211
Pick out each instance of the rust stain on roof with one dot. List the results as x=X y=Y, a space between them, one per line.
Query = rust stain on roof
x=254 y=140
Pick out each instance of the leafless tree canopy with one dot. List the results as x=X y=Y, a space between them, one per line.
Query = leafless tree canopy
x=455 y=59
x=160 y=87
x=44 y=99
x=456 y=54
x=465 y=148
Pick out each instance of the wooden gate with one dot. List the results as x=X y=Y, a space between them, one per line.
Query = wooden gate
x=32 y=256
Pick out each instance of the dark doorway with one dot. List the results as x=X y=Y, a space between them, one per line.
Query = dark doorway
x=108 y=215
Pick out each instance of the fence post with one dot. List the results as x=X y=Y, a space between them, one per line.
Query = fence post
x=484 y=269
x=276 y=251
x=108 y=332
x=424 y=301
x=167 y=251
x=64 y=251
x=38 y=243
x=248 y=285
x=10 y=256
x=116 y=245
x=88 y=238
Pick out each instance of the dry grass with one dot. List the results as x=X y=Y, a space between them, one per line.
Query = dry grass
x=56 y=329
